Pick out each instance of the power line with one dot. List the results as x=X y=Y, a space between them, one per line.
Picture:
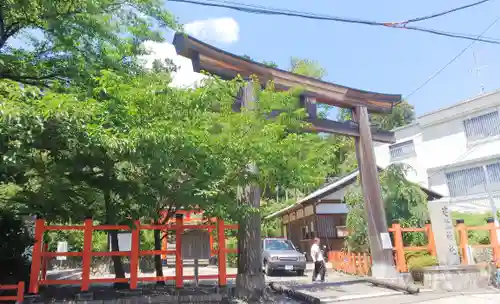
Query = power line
x=452 y=60
x=447 y=12
x=253 y=9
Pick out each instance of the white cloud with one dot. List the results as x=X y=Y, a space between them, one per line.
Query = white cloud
x=221 y=30
x=184 y=76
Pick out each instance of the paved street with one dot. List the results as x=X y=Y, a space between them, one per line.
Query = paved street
x=338 y=288
x=430 y=298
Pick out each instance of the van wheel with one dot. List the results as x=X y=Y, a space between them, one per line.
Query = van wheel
x=300 y=273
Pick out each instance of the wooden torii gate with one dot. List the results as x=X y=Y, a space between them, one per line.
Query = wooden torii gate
x=227 y=66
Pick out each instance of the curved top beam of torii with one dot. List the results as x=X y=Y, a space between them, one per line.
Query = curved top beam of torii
x=228 y=66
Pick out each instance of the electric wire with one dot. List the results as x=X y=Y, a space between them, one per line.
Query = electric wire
x=253 y=9
x=447 y=12
x=452 y=60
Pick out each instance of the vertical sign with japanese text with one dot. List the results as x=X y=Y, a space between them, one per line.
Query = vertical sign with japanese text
x=444 y=233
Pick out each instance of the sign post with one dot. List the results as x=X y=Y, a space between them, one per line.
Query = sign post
x=443 y=230
x=196 y=245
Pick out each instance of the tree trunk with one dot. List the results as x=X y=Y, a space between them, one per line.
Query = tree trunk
x=250 y=282
x=117 y=260
x=158 y=264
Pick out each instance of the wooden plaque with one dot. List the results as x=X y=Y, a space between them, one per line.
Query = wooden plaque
x=196 y=244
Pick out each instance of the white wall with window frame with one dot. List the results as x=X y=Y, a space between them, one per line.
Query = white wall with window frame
x=482 y=127
x=402 y=150
x=471 y=180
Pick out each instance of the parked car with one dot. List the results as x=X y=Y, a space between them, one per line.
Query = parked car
x=281 y=254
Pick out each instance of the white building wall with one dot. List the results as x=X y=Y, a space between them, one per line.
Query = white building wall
x=441 y=145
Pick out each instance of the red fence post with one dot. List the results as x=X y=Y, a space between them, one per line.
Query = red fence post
x=36 y=258
x=399 y=247
x=221 y=258
x=134 y=254
x=463 y=240
x=179 y=270
x=20 y=292
x=87 y=253
x=431 y=245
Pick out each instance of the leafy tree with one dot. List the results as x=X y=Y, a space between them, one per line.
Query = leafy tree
x=41 y=41
x=66 y=165
x=283 y=157
x=307 y=67
x=402 y=114
x=270 y=64
x=404 y=201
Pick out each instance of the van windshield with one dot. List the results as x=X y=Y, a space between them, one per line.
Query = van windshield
x=278 y=245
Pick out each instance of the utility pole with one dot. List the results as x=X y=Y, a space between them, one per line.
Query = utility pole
x=491 y=199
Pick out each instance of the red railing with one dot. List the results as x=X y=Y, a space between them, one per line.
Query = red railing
x=350 y=262
x=36 y=279
x=360 y=263
x=399 y=248
x=20 y=292
x=355 y=263
x=463 y=240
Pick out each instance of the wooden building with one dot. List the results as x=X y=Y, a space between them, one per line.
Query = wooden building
x=323 y=214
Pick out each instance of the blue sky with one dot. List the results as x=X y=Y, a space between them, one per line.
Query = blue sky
x=371 y=58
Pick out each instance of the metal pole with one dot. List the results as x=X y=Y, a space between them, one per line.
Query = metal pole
x=491 y=198
x=383 y=262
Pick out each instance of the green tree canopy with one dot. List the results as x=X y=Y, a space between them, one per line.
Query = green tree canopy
x=307 y=67
x=41 y=41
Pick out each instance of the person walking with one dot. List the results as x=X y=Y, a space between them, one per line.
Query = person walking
x=319 y=261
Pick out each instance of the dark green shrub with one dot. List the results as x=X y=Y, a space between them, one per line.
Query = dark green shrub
x=416 y=264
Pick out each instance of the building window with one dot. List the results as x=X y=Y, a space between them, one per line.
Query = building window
x=402 y=150
x=472 y=181
x=482 y=126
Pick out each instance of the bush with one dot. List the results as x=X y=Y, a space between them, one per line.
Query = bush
x=409 y=255
x=417 y=263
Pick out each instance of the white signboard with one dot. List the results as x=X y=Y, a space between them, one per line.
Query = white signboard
x=62 y=247
x=124 y=241
x=444 y=232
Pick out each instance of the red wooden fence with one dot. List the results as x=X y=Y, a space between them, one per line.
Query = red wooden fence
x=19 y=288
x=36 y=279
x=355 y=263
x=350 y=262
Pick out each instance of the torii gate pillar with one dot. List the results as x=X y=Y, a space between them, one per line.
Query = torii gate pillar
x=382 y=258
